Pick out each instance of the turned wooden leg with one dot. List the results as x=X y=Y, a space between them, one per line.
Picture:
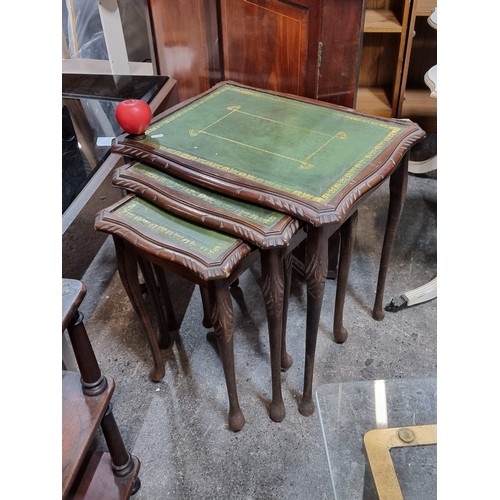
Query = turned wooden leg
x=398 y=185
x=347 y=237
x=152 y=287
x=121 y=461
x=93 y=381
x=222 y=319
x=273 y=285
x=128 y=271
x=316 y=269
x=286 y=359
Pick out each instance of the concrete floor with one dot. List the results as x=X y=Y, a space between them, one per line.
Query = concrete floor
x=177 y=427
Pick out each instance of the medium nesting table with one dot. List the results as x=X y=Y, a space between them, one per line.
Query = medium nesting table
x=275 y=235
x=312 y=160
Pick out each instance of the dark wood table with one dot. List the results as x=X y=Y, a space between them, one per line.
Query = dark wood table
x=313 y=160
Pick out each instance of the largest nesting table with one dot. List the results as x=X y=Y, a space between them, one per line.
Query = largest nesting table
x=313 y=160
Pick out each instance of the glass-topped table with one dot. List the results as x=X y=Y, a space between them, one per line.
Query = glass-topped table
x=88 y=127
x=380 y=438
x=89 y=124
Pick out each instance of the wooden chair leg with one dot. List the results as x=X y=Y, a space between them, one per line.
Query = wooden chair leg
x=122 y=462
x=286 y=359
x=347 y=237
x=93 y=381
x=222 y=319
x=157 y=298
x=273 y=286
x=172 y=322
x=207 y=312
x=316 y=270
x=128 y=271
x=398 y=185
x=333 y=255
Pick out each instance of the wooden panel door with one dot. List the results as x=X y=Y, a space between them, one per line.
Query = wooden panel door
x=184 y=36
x=304 y=47
x=308 y=48
x=272 y=44
x=341 y=43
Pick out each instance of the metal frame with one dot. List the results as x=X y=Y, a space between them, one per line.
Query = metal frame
x=378 y=444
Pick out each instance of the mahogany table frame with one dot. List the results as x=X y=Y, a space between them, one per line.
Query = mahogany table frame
x=322 y=219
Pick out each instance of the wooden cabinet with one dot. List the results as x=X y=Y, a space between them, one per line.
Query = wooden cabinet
x=320 y=49
x=398 y=47
x=303 y=47
x=306 y=48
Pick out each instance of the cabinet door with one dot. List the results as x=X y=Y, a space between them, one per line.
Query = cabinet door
x=271 y=44
x=304 y=47
x=341 y=42
x=184 y=36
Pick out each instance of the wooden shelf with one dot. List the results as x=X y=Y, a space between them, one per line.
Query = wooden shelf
x=381 y=21
x=81 y=417
x=382 y=56
x=86 y=406
x=97 y=483
x=418 y=102
x=374 y=101
x=425 y=7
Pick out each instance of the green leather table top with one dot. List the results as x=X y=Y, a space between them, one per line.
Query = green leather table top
x=256 y=224
x=171 y=231
x=306 y=150
x=255 y=213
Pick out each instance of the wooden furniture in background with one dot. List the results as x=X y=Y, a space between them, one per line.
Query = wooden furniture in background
x=384 y=41
x=428 y=291
x=416 y=102
x=86 y=397
x=398 y=48
x=306 y=47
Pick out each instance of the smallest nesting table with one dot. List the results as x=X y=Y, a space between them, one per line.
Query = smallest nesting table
x=150 y=239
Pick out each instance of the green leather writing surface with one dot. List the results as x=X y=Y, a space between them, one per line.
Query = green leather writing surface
x=169 y=229
x=261 y=215
x=308 y=150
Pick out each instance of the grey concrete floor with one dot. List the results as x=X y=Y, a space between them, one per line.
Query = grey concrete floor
x=177 y=427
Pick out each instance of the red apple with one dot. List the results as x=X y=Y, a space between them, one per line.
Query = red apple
x=133 y=116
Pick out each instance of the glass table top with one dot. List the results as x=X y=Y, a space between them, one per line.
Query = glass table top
x=349 y=410
x=89 y=123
